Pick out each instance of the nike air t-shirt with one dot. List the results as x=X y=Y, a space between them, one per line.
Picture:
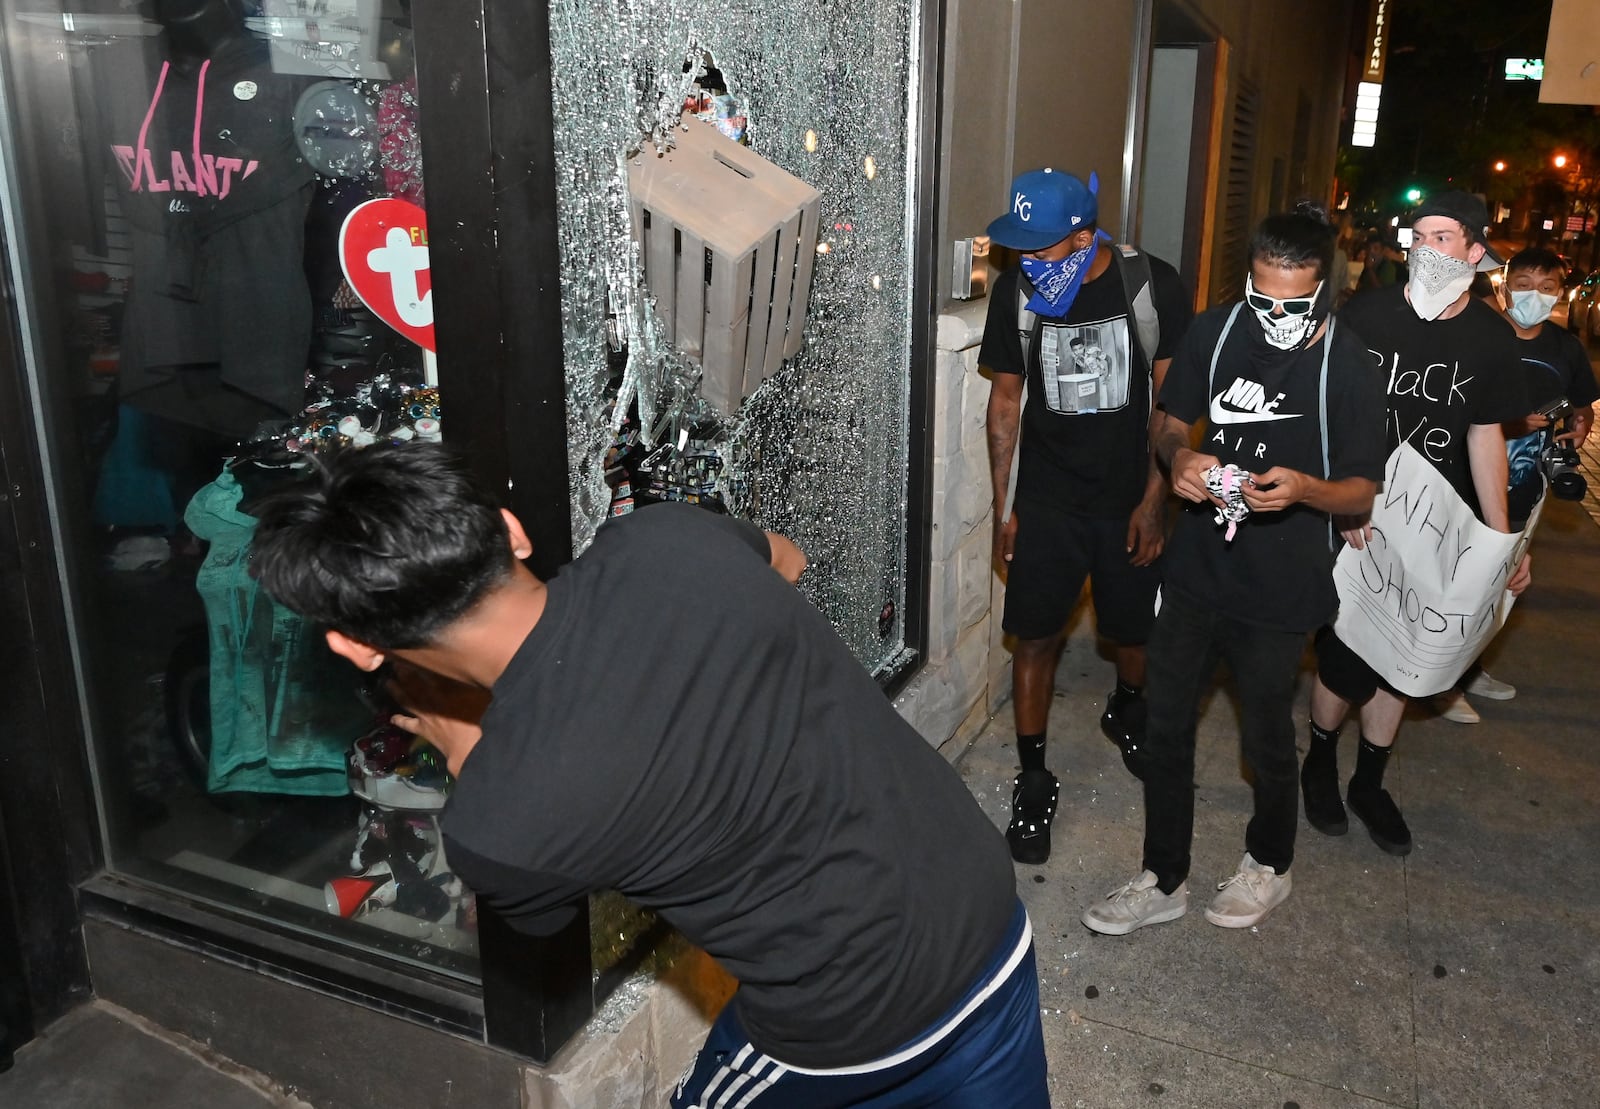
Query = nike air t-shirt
x=1257 y=409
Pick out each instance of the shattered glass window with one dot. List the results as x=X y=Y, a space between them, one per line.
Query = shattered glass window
x=801 y=103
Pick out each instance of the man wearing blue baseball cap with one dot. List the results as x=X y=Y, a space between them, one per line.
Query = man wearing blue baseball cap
x=1084 y=330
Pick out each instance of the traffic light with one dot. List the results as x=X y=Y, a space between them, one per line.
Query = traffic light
x=1413 y=195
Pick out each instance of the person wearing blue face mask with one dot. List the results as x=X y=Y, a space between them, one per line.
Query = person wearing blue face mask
x=1076 y=334
x=1555 y=367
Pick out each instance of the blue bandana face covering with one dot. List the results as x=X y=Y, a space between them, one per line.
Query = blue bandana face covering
x=1056 y=284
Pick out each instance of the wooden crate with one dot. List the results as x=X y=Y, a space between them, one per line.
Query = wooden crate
x=728 y=241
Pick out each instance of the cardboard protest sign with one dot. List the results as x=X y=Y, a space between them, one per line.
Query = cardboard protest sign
x=1428 y=592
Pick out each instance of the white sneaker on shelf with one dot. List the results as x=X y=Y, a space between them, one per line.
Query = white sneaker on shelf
x=1453 y=705
x=1134 y=905
x=1483 y=685
x=1246 y=898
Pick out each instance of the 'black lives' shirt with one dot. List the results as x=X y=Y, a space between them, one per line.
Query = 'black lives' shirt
x=1085 y=430
x=1442 y=376
x=682 y=726
x=1259 y=412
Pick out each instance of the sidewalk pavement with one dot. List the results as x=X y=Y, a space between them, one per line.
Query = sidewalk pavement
x=1467 y=974
x=102 y=1057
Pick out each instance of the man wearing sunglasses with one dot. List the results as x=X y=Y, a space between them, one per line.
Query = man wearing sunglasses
x=1290 y=417
x=1453 y=375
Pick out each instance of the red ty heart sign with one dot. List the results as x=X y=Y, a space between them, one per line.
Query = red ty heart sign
x=383 y=248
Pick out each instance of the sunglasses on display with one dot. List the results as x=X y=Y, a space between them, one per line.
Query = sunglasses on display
x=1291 y=306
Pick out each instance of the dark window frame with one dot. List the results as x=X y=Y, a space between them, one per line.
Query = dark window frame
x=484 y=84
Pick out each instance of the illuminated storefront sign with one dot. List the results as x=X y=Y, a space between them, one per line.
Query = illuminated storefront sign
x=1364 y=131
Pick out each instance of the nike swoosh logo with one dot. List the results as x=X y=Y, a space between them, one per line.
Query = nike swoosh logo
x=1221 y=415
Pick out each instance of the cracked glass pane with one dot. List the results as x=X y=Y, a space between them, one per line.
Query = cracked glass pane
x=812 y=444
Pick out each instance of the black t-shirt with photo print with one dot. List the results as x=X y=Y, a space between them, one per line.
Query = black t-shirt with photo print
x=1257 y=411
x=1441 y=376
x=1085 y=437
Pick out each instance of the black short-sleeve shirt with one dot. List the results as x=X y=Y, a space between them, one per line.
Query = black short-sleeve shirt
x=1554 y=365
x=684 y=727
x=1257 y=413
x=1085 y=429
x=1441 y=376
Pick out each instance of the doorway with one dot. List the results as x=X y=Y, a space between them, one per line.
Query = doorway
x=1178 y=174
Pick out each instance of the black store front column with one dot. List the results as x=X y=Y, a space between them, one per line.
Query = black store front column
x=495 y=268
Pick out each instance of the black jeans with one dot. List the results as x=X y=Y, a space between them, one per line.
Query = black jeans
x=1180 y=659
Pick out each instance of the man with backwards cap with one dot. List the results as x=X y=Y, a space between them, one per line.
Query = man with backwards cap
x=1085 y=331
x=1453 y=372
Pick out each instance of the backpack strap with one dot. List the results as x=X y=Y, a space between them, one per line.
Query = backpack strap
x=1027 y=327
x=1027 y=322
x=1216 y=351
x=1138 y=286
x=1322 y=404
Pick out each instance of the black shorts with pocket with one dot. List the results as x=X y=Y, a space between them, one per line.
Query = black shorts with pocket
x=1346 y=673
x=1054 y=551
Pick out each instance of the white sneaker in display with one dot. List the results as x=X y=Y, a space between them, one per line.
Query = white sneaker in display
x=1247 y=897
x=1455 y=706
x=1483 y=685
x=1134 y=905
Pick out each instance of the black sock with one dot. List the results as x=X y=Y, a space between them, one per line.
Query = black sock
x=1324 y=744
x=1125 y=693
x=1370 y=761
x=1030 y=749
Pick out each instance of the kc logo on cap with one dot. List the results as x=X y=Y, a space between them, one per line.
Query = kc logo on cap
x=1046 y=206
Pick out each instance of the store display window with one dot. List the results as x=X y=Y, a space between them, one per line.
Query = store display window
x=224 y=266
x=230 y=271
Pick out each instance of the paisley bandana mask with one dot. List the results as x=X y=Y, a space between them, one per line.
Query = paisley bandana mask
x=1437 y=281
x=1056 y=284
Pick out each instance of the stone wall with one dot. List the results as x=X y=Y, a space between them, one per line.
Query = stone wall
x=967 y=674
x=634 y=1060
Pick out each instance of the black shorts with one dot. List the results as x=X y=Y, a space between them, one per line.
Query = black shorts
x=1346 y=673
x=1053 y=553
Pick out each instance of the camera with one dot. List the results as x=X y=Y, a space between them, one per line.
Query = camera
x=1560 y=460
x=1556 y=409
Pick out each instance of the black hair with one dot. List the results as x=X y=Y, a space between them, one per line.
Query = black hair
x=1290 y=240
x=388 y=544
x=1537 y=258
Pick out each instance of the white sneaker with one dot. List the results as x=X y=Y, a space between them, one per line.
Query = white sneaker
x=1247 y=897
x=1134 y=905
x=1482 y=685
x=1453 y=705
